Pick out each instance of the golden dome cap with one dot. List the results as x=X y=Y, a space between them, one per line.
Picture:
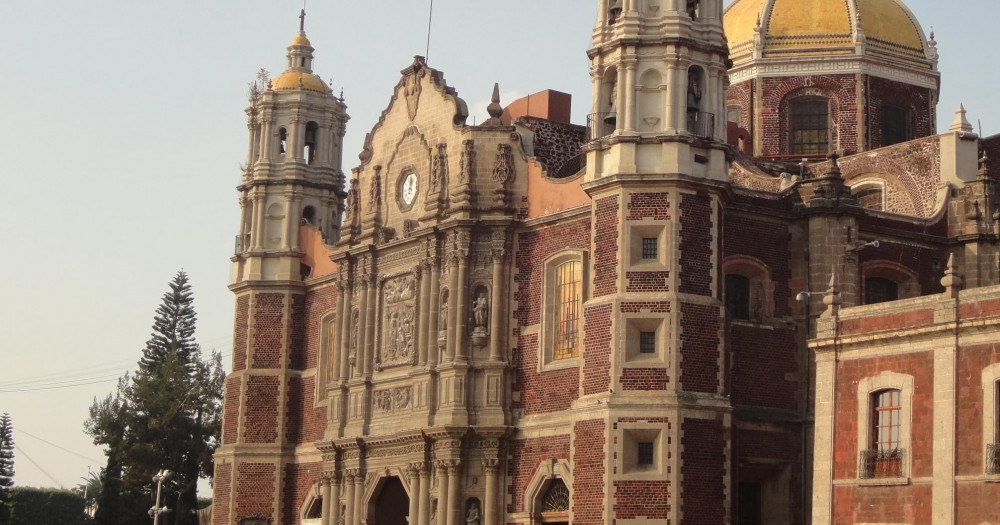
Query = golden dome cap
x=301 y=40
x=292 y=79
x=798 y=28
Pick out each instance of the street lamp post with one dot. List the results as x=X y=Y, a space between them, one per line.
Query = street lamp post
x=159 y=478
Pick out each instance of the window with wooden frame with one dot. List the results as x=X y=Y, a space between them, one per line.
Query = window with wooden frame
x=809 y=126
x=884 y=457
x=895 y=125
x=568 y=295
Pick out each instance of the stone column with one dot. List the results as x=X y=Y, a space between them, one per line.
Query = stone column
x=359 y=496
x=373 y=288
x=338 y=329
x=326 y=492
x=490 y=503
x=442 y=508
x=293 y=221
x=452 y=307
x=335 y=501
x=630 y=94
x=265 y=139
x=349 y=476
x=497 y=308
x=595 y=80
x=461 y=311
x=413 y=473
x=454 y=493
x=258 y=224
x=423 y=311
x=293 y=143
x=671 y=106
x=345 y=332
x=359 y=352
x=825 y=439
x=435 y=307
x=620 y=101
x=425 y=496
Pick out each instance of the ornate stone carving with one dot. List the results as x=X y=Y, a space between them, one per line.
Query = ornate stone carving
x=411 y=92
x=398 y=327
x=503 y=169
x=439 y=170
x=391 y=400
x=375 y=190
x=467 y=164
x=490 y=465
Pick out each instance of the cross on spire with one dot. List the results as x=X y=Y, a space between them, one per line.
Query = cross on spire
x=302 y=19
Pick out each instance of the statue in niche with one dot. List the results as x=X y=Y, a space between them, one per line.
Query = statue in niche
x=375 y=190
x=443 y=322
x=439 y=171
x=434 y=510
x=692 y=9
x=472 y=515
x=480 y=310
x=694 y=92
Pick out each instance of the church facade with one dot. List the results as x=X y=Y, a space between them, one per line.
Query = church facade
x=689 y=310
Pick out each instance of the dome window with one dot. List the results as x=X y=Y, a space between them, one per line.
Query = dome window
x=309 y=215
x=309 y=149
x=809 y=122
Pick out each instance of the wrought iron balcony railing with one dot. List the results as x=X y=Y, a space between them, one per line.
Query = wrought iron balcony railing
x=701 y=124
x=882 y=464
x=601 y=124
x=993 y=458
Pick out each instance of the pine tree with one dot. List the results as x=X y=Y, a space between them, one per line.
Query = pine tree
x=6 y=466
x=168 y=416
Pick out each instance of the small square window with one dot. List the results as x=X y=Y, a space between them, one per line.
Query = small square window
x=650 y=248
x=647 y=342
x=645 y=454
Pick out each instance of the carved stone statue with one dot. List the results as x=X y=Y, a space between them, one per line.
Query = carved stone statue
x=480 y=309
x=472 y=516
x=694 y=92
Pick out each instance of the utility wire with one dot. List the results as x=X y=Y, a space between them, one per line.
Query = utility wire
x=39 y=467
x=64 y=449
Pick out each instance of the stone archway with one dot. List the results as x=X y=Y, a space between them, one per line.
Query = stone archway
x=391 y=505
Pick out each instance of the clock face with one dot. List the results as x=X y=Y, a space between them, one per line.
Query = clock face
x=408 y=190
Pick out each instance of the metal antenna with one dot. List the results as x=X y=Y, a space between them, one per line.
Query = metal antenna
x=430 y=18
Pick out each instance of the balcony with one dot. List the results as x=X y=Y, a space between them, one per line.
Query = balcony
x=876 y=464
x=601 y=125
x=701 y=124
x=993 y=458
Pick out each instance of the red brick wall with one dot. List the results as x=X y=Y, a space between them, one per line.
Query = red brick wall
x=644 y=379
x=927 y=263
x=255 y=491
x=231 y=412
x=882 y=504
x=647 y=281
x=597 y=349
x=305 y=422
x=261 y=410
x=703 y=472
x=319 y=303
x=298 y=352
x=766 y=241
x=977 y=503
x=526 y=455
x=919 y=365
x=268 y=327
x=917 y=100
x=241 y=326
x=979 y=310
x=741 y=95
x=588 y=472
x=553 y=390
x=696 y=244
x=969 y=438
x=605 y=246
x=840 y=89
x=765 y=367
x=222 y=491
x=634 y=499
x=298 y=479
x=765 y=450
x=699 y=363
x=649 y=206
x=897 y=321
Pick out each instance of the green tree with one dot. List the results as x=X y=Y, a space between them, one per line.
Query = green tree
x=6 y=466
x=166 y=416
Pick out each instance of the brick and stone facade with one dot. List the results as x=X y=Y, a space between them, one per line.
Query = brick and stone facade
x=527 y=321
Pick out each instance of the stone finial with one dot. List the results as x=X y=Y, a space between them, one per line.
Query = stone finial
x=951 y=281
x=984 y=165
x=834 y=165
x=832 y=298
x=960 y=123
x=494 y=109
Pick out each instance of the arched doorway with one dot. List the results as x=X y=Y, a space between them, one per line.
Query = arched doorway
x=392 y=504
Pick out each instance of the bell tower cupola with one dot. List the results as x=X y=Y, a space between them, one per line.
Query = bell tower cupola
x=659 y=78
x=293 y=176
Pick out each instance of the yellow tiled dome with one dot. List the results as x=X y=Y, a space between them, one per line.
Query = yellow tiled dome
x=810 y=27
x=299 y=80
x=300 y=40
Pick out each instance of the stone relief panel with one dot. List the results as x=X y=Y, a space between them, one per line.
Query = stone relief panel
x=398 y=327
x=391 y=400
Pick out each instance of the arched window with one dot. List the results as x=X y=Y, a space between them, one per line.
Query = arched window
x=309 y=215
x=282 y=141
x=692 y=7
x=887 y=281
x=614 y=11
x=738 y=296
x=698 y=122
x=568 y=293
x=309 y=149
x=880 y=290
x=555 y=502
x=896 y=126
x=809 y=125
x=870 y=196
x=749 y=289
x=884 y=457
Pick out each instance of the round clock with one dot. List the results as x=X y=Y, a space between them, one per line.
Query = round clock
x=408 y=189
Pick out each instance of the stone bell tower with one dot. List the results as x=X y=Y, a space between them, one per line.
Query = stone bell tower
x=291 y=193
x=293 y=173
x=654 y=371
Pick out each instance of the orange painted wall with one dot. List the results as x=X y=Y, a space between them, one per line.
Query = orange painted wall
x=548 y=104
x=317 y=255
x=547 y=196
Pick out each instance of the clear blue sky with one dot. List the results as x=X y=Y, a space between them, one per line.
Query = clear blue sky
x=122 y=130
